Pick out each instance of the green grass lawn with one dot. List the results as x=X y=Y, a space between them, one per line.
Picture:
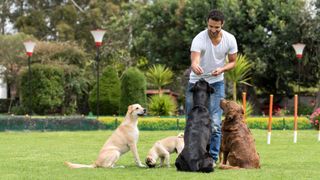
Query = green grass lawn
x=40 y=155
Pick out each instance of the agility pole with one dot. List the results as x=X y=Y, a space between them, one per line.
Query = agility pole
x=270 y=119
x=244 y=102
x=295 y=132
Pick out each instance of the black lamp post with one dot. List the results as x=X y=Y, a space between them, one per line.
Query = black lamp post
x=29 y=46
x=298 y=48
x=98 y=36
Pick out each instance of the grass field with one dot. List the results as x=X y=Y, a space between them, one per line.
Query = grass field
x=40 y=155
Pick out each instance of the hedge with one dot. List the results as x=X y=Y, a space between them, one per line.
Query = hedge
x=173 y=123
x=49 y=124
x=145 y=123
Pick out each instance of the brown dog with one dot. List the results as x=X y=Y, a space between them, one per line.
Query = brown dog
x=237 y=144
x=123 y=139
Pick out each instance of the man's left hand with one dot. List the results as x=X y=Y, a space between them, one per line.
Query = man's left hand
x=217 y=72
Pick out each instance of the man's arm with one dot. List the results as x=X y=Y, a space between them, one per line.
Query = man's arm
x=232 y=62
x=195 y=63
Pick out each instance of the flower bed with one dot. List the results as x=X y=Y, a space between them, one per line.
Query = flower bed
x=315 y=118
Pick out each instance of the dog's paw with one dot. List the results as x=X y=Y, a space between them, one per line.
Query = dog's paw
x=118 y=166
x=142 y=165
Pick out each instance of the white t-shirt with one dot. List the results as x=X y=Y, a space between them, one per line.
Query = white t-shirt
x=212 y=56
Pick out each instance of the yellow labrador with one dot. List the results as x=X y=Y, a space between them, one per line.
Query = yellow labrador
x=125 y=137
x=163 y=148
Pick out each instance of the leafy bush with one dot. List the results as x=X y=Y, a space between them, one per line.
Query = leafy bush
x=46 y=91
x=133 y=87
x=249 y=108
x=304 y=109
x=19 y=110
x=315 y=118
x=109 y=93
x=162 y=105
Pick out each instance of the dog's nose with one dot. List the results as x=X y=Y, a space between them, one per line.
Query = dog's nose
x=144 y=110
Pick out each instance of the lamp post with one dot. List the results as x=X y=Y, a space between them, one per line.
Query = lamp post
x=298 y=48
x=29 y=46
x=98 y=36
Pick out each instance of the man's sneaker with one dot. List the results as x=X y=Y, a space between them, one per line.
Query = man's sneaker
x=214 y=165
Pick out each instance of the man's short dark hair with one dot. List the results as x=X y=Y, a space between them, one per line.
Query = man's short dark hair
x=216 y=15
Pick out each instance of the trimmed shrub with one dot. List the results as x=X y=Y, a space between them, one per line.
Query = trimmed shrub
x=162 y=105
x=148 y=123
x=278 y=123
x=133 y=87
x=46 y=91
x=144 y=123
x=109 y=93
x=4 y=105
x=49 y=124
x=173 y=123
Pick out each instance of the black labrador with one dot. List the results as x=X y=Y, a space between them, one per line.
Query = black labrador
x=195 y=155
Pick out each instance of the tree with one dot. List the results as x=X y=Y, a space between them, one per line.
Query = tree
x=13 y=58
x=240 y=74
x=133 y=87
x=109 y=93
x=46 y=89
x=159 y=76
x=161 y=31
x=4 y=14
x=265 y=31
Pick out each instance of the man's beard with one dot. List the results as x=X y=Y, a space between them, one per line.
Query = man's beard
x=214 y=34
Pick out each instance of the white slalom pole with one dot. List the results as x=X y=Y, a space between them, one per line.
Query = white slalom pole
x=295 y=136
x=295 y=127
x=269 y=138
x=270 y=119
x=319 y=136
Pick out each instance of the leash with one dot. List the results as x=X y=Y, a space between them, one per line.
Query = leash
x=207 y=75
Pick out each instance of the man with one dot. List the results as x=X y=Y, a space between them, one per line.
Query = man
x=208 y=52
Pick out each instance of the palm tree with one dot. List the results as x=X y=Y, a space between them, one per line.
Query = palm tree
x=239 y=74
x=159 y=76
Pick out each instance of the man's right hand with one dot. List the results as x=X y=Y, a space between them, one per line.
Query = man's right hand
x=196 y=69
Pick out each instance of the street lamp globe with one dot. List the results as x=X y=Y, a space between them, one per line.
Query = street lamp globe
x=98 y=36
x=29 y=46
x=298 y=48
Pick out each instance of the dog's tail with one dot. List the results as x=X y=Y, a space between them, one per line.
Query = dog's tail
x=180 y=135
x=225 y=167
x=75 y=166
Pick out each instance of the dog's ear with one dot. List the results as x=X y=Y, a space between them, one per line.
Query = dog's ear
x=180 y=135
x=130 y=109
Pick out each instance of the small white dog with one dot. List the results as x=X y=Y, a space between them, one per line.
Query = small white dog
x=163 y=148
x=123 y=139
